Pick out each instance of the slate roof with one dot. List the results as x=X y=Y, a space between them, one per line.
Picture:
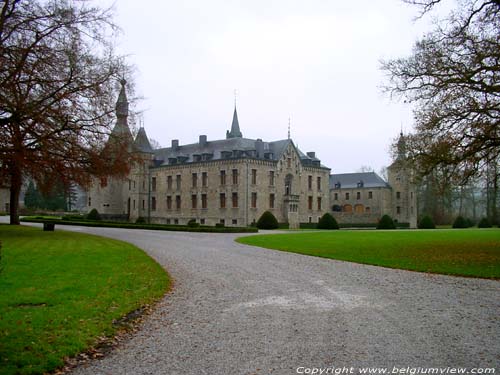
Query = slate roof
x=141 y=142
x=228 y=149
x=351 y=180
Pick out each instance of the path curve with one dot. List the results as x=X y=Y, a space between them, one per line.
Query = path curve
x=238 y=309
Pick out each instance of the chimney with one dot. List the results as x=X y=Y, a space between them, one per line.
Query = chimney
x=259 y=147
x=311 y=154
x=175 y=144
x=203 y=140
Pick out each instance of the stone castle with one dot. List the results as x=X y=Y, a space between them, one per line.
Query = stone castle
x=232 y=181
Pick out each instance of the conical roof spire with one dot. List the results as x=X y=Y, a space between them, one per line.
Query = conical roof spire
x=401 y=146
x=141 y=142
x=235 y=127
x=121 y=128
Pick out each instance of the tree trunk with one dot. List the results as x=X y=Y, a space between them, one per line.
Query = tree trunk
x=15 y=189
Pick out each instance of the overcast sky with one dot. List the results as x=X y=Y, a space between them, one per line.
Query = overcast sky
x=315 y=61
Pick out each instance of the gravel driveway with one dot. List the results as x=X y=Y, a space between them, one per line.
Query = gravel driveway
x=236 y=309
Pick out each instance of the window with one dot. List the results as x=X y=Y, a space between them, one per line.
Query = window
x=169 y=202
x=222 y=200
x=143 y=184
x=398 y=195
x=129 y=184
x=254 y=176
x=289 y=162
x=204 y=179
x=310 y=203
x=347 y=196
x=195 y=180
x=235 y=177
x=203 y=201
x=271 y=200
x=319 y=203
x=177 y=202
x=235 y=221
x=134 y=184
x=318 y=183
x=202 y=221
x=411 y=195
x=222 y=221
x=90 y=203
x=178 y=182
x=254 y=200
x=370 y=194
x=271 y=178
x=367 y=210
x=168 y=221
x=309 y=182
x=398 y=210
x=143 y=204
x=222 y=177
x=336 y=196
x=194 y=201
x=133 y=204
x=176 y=221
x=169 y=182
x=104 y=182
x=235 y=200
x=153 y=203
x=358 y=195
x=153 y=183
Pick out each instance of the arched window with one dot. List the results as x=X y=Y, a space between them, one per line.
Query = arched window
x=336 y=208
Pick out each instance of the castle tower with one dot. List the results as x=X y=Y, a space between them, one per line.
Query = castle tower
x=235 y=127
x=404 y=199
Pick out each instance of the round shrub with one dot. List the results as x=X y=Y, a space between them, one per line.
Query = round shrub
x=93 y=215
x=426 y=223
x=386 y=222
x=470 y=223
x=460 y=222
x=267 y=221
x=327 y=221
x=193 y=224
x=140 y=220
x=484 y=223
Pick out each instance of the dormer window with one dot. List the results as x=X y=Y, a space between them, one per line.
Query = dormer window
x=337 y=185
x=360 y=184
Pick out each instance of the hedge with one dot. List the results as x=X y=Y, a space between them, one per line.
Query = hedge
x=175 y=228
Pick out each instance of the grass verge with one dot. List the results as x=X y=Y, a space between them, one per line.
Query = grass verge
x=62 y=291
x=468 y=252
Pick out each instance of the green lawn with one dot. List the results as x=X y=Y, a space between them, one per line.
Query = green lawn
x=467 y=252
x=60 y=291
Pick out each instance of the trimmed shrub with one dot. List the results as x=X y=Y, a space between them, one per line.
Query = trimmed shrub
x=140 y=220
x=460 y=222
x=327 y=221
x=93 y=215
x=73 y=217
x=426 y=223
x=219 y=225
x=267 y=221
x=386 y=222
x=470 y=223
x=193 y=224
x=484 y=223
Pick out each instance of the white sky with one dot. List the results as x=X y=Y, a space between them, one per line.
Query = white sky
x=315 y=61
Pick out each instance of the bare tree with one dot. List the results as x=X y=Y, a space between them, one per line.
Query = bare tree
x=58 y=73
x=453 y=78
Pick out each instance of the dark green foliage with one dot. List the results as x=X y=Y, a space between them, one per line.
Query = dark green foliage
x=460 y=222
x=426 y=223
x=307 y=225
x=267 y=221
x=327 y=221
x=470 y=223
x=74 y=217
x=193 y=224
x=140 y=220
x=93 y=215
x=484 y=223
x=219 y=228
x=386 y=222
x=32 y=197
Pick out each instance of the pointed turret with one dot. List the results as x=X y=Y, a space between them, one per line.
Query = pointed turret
x=141 y=142
x=121 y=128
x=401 y=147
x=235 y=127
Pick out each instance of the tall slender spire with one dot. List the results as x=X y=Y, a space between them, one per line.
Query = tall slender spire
x=289 y=127
x=235 y=125
x=121 y=128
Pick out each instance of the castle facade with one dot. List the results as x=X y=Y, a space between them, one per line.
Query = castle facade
x=232 y=181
